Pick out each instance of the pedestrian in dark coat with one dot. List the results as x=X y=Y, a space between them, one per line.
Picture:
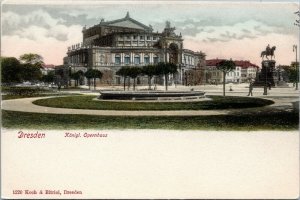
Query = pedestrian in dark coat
x=250 y=89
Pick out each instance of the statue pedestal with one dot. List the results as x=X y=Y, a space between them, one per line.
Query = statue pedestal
x=267 y=76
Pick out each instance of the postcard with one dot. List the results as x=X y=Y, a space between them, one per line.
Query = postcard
x=149 y=99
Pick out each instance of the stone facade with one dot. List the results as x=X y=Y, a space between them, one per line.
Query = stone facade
x=110 y=45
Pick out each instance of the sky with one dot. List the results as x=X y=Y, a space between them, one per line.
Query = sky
x=239 y=30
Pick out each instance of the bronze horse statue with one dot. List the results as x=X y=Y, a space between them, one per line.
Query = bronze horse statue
x=268 y=52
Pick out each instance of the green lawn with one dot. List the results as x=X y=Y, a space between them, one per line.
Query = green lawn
x=9 y=96
x=248 y=121
x=217 y=102
x=13 y=92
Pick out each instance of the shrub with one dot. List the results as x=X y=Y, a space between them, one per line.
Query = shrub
x=23 y=91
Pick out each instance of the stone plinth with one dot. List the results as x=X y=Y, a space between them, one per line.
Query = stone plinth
x=267 y=75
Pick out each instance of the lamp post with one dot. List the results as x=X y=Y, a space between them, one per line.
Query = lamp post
x=297 y=68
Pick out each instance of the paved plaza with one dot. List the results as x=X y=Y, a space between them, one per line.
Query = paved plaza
x=284 y=99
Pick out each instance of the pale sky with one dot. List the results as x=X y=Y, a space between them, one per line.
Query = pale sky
x=230 y=29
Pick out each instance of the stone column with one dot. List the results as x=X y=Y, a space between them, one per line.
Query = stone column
x=122 y=58
x=131 y=58
x=151 y=58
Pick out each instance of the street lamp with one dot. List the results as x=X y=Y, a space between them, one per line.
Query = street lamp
x=297 y=68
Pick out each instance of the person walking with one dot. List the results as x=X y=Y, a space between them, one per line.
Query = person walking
x=250 y=89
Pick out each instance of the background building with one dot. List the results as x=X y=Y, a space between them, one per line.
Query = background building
x=47 y=68
x=110 y=45
x=244 y=72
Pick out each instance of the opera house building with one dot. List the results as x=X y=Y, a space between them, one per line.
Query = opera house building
x=109 y=45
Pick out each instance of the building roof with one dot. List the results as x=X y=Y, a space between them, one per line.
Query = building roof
x=48 y=66
x=213 y=62
x=245 y=64
x=240 y=63
x=126 y=22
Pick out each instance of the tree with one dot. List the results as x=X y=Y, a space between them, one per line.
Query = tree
x=161 y=69
x=31 y=66
x=92 y=74
x=150 y=71
x=225 y=66
x=96 y=74
x=49 y=78
x=31 y=72
x=33 y=59
x=124 y=71
x=165 y=69
x=77 y=76
x=89 y=74
x=69 y=77
x=291 y=71
x=134 y=72
x=10 y=70
x=172 y=69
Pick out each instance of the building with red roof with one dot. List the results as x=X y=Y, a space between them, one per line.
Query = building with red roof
x=244 y=72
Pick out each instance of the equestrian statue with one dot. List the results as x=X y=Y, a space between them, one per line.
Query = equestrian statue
x=268 y=52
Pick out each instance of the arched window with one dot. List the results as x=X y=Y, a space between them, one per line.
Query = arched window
x=146 y=59
x=127 y=59
x=137 y=59
x=117 y=59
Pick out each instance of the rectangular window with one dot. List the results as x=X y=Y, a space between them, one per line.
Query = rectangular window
x=134 y=37
x=147 y=60
x=136 y=60
x=154 y=38
x=127 y=60
x=118 y=60
x=141 y=37
x=148 y=37
x=155 y=60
